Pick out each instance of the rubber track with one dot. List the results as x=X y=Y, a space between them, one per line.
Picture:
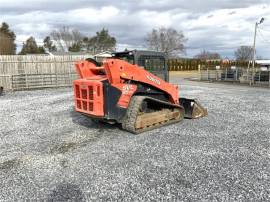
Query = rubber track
x=133 y=110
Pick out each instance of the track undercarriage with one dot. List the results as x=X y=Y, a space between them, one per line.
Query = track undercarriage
x=146 y=113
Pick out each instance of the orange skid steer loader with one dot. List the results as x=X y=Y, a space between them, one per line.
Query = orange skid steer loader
x=132 y=89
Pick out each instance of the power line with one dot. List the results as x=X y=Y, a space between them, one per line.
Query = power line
x=264 y=30
x=262 y=36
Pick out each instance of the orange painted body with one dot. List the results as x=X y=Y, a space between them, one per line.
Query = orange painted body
x=89 y=91
x=89 y=97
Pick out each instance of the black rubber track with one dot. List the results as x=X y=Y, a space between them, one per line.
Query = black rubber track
x=133 y=110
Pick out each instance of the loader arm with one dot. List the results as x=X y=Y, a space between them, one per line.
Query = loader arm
x=120 y=74
x=118 y=71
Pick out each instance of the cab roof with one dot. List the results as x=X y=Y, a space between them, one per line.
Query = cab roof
x=140 y=52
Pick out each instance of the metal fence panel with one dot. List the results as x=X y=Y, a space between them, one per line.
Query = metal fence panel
x=260 y=78
x=37 y=81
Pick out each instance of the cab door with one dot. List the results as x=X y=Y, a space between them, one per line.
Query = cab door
x=154 y=64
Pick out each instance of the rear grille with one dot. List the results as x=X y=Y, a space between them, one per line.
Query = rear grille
x=79 y=104
x=89 y=97
x=84 y=105
x=84 y=93
x=77 y=90
x=91 y=106
x=91 y=93
x=85 y=98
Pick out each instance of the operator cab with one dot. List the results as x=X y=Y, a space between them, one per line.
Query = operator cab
x=152 y=61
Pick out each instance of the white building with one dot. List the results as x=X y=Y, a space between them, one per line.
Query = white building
x=264 y=64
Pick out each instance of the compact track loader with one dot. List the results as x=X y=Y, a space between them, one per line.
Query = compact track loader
x=132 y=89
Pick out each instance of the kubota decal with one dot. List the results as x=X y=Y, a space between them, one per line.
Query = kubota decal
x=153 y=79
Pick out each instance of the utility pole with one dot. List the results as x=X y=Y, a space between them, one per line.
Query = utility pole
x=254 y=49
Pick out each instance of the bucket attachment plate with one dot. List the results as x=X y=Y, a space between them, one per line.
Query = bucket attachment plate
x=193 y=109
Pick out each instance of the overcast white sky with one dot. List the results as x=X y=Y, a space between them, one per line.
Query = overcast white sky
x=213 y=25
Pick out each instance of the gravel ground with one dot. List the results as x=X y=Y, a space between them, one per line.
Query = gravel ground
x=49 y=152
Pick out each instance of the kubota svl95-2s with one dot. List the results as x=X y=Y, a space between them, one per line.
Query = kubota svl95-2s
x=122 y=90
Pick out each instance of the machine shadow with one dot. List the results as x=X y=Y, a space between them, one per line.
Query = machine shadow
x=87 y=122
x=66 y=192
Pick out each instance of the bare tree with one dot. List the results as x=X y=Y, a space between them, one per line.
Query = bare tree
x=206 y=55
x=48 y=44
x=166 y=40
x=244 y=53
x=66 y=38
x=77 y=35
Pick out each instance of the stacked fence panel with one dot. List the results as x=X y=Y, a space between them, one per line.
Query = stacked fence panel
x=244 y=76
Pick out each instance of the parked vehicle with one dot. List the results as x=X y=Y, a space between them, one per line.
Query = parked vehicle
x=132 y=88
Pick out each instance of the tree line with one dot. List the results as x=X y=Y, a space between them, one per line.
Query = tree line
x=65 y=39
x=62 y=40
x=71 y=40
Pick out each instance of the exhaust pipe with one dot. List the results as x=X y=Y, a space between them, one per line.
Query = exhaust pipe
x=193 y=109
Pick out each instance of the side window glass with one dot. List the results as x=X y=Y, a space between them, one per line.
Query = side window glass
x=148 y=64
x=152 y=63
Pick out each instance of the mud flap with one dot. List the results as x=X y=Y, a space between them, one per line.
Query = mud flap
x=193 y=109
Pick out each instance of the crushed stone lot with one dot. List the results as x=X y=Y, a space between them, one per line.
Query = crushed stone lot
x=50 y=153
